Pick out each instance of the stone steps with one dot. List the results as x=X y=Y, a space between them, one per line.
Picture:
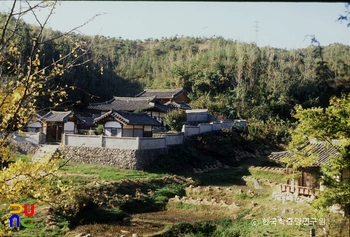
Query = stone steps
x=44 y=153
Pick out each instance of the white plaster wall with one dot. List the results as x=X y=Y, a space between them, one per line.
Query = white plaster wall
x=34 y=125
x=112 y=124
x=226 y=124
x=30 y=137
x=107 y=132
x=174 y=139
x=83 y=140
x=197 y=117
x=240 y=123
x=205 y=127
x=120 y=142
x=68 y=126
x=190 y=130
x=216 y=126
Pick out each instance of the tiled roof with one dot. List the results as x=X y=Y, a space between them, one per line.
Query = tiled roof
x=40 y=113
x=163 y=108
x=123 y=104
x=322 y=149
x=161 y=94
x=55 y=116
x=130 y=104
x=177 y=104
x=128 y=118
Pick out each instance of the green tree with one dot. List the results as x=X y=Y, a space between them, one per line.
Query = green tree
x=24 y=74
x=175 y=119
x=325 y=125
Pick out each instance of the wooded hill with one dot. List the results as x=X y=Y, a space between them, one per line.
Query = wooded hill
x=230 y=78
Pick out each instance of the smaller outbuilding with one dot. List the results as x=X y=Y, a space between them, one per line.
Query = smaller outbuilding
x=308 y=181
x=54 y=123
x=127 y=124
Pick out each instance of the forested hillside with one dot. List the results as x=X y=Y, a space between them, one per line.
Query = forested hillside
x=230 y=78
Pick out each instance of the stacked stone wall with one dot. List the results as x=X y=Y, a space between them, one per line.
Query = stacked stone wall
x=125 y=158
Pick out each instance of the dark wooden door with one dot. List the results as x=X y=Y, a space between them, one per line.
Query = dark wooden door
x=51 y=133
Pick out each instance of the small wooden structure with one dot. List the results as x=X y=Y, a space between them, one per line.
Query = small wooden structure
x=307 y=184
x=54 y=124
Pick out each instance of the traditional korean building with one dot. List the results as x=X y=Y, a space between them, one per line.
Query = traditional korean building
x=54 y=124
x=127 y=124
x=308 y=182
x=150 y=105
x=166 y=95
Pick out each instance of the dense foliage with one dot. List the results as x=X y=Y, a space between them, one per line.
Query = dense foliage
x=325 y=124
x=230 y=78
x=25 y=75
x=175 y=119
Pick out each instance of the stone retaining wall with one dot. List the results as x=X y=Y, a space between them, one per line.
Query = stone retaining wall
x=125 y=158
x=25 y=147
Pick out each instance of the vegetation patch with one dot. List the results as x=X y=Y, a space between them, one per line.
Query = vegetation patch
x=105 y=201
x=268 y=175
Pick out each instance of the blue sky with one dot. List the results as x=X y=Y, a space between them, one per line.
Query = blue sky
x=281 y=25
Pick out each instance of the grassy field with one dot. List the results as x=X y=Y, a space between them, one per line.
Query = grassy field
x=222 y=202
x=83 y=173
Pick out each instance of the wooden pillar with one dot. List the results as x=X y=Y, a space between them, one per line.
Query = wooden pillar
x=56 y=132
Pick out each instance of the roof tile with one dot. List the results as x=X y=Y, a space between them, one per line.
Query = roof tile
x=161 y=93
x=128 y=118
x=322 y=149
x=130 y=104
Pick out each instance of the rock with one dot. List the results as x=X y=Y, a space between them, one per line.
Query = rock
x=208 y=189
x=223 y=203
x=217 y=189
x=250 y=193
x=219 y=164
x=233 y=217
x=51 y=226
x=257 y=184
x=285 y=210
x=205 y=202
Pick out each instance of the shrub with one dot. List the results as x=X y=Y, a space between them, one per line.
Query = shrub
x=99 y=129
x=175 y=119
